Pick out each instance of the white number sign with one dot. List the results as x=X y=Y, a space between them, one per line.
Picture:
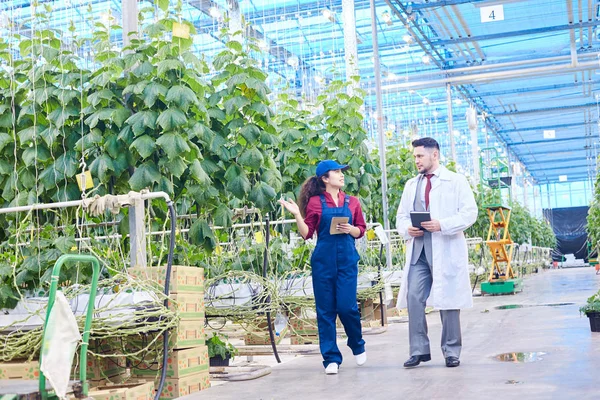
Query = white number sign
x=492 y=13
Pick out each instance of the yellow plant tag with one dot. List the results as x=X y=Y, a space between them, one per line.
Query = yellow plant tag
x=181 y=30
x=371 y=234
x=218 y=250
x=477 y=247
x=85 y=181
x=258 y=237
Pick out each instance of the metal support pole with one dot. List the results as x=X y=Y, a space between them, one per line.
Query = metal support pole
x=386 y=221
x=129 y=9
x=450 y=121
x=137 y=233
x=235 y=21
x=350 y=43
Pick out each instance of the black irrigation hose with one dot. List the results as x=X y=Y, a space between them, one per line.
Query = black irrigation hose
x=265 y=262
x=163 y=373
x=381 y=305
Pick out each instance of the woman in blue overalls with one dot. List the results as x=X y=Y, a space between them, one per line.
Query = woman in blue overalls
x=335 y=259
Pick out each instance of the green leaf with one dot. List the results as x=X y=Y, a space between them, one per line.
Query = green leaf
x=250 y=132
x=120 y=115
x=121 y=163
x=49 y=135
x=60 y=115
x=144 y=145
x=235 y=103
x=171 y=118
x=273 y=178
x=237 y=181
x=234 y=45
x=199 y=174
x=65 y=244
x=182 y=96
x=217 y=114
x=163 y=5
x=95 y=98
x=31 y=154
x=152 y=91
x=142 y=120
x=66 y=96
x=218 y=145
x=27 y=135
x=262 y=194
x=252 y=158
x=90 y=140
x=223 y=216
x=142 y=70
x=176 y=166
x=5 y=139
x=144 y=176
x=262 y=109
x=67 y=164
x=173 y=144
x=165 y=185
x=201 y=234
x=67 y=193
x=168 y=65
x=112 y=146
x=103 y=114
x=100 y=167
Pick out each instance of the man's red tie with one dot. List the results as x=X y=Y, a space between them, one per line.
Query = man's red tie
x=427 y=190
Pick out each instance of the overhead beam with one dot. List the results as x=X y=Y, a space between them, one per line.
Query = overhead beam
x=550 y=152
x=541 y=128
x=550 y=141
x=442 y=3
x=560 y=161
x=544 y=110
x=553 y=167
x=524 y=32
x=536 y=89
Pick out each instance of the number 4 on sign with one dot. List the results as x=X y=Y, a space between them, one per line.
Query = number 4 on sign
x=492 y=13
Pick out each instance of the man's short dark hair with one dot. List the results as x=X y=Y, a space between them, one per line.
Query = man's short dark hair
x=427 y=142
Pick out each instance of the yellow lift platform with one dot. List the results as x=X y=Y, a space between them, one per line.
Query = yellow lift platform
x=495 y=173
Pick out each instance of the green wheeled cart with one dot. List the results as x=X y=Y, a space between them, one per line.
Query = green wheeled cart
x=27 y=389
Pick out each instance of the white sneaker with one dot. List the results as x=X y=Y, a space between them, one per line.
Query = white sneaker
x=361 y=358
x=331 y=369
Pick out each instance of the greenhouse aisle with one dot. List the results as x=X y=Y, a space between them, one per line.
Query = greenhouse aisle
x=568 y=370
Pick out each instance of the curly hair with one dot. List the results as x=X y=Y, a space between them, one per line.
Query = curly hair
x=313 y=186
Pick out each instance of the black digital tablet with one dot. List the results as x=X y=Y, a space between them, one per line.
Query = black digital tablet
x=416 y=217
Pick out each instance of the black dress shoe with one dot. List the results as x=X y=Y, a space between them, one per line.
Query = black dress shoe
x=452 y=362
x=413 y=361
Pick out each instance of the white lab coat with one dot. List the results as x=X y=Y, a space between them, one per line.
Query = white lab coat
x=451 y=201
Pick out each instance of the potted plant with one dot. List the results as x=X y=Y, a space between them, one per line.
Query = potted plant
x=592 y=310
x=220 y=352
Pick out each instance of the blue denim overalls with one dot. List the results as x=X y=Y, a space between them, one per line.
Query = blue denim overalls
x=335 y=272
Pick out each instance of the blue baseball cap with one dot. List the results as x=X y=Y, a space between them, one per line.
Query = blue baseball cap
x=329 y=165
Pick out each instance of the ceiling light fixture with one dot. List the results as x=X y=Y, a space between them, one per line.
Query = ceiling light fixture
x=407 y=38
x=327 y=13
x=214 y=12
x=387 y=18
x=426 y=59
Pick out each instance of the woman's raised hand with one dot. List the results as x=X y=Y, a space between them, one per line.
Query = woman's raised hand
x=290 y=205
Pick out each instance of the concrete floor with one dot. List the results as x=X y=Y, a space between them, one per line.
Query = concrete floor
x=570 y=369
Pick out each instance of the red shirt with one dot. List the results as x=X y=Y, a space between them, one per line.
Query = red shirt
x=314 y=212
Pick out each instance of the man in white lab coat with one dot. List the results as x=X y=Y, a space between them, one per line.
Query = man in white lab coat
x=436 y=257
